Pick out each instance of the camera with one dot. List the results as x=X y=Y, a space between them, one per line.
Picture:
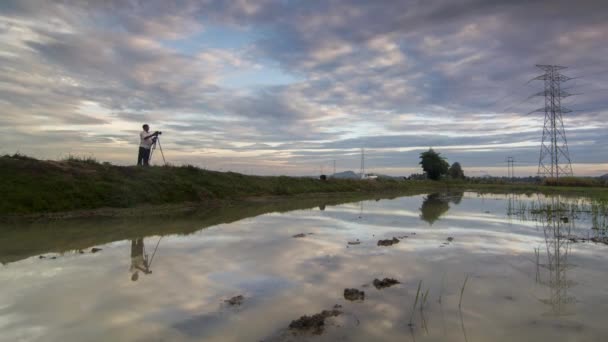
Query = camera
x=158 y=132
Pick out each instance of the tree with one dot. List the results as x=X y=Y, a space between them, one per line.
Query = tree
x=433 y=164
x=455 y=171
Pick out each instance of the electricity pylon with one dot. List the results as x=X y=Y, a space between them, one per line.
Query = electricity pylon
x=510 y=168
x=554 y=160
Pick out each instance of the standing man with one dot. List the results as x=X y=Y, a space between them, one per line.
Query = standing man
x=146 y=140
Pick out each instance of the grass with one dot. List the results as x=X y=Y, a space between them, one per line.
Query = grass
x=415 y=303
x=32 y=186
x=462 y=291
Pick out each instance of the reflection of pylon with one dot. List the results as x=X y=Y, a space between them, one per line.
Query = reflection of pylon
x=557 y=230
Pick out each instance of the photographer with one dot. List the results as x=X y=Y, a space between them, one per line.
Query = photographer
x=146 y=140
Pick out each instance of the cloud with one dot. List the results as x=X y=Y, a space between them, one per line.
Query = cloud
x=388 y=75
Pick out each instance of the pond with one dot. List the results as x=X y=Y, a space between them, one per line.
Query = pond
x=454 y=267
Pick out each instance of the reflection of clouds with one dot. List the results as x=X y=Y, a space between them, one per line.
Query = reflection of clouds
x=90 y=296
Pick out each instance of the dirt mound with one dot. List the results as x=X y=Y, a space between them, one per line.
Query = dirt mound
x=354 y=294
x=388 y=242
x=236 y=300
x=314 y=323
x=384 y=283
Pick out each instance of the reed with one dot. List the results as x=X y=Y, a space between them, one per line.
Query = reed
x=462 y=291
x=415 y=303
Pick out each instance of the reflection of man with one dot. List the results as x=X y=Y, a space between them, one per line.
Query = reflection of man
x=139 y=261
x=146 y=140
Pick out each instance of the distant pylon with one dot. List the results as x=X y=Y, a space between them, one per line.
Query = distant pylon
x=362 y=162
x=554 y=160
x=510 y=168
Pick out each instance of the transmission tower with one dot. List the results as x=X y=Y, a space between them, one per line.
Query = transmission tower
x=554 y=160
x=510 y=168
x=362 y=162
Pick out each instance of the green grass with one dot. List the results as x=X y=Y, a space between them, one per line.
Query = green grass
x=34 y=186
x=31 y=186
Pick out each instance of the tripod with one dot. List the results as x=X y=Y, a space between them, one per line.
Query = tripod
x=160 y=148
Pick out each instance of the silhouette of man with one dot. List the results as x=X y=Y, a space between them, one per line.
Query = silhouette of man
x=146 y=140
x=139 y=261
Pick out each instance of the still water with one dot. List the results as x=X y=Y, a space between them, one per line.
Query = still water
x=531 y=275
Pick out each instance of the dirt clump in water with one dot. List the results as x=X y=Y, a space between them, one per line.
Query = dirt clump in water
x=356 y=242
x=354 y=294
x=314 y=323
x=388 y=242
x=95 y=250
x=236 y=300
x=301 y=235
x=384 y=283
x=450 y=239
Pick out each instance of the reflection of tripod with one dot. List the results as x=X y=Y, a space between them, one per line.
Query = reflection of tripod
x=160 y=147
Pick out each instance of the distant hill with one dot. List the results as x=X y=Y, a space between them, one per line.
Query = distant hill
x=346 y=175
x=604 y=177
x=353 y=175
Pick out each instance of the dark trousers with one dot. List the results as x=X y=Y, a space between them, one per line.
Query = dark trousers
x=143 y=156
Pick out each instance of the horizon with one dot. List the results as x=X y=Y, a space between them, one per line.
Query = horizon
x=287 y=87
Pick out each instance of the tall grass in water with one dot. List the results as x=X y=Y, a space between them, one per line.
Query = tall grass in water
x=462 y=291
x=574 y=181
x=415 y=304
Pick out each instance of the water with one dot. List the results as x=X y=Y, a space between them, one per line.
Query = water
x=527 y=281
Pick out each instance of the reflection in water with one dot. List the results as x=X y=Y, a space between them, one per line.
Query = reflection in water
x=282 y=278
x=140 y=261
x=437 y=204
x=557 y=228
x=433 y=206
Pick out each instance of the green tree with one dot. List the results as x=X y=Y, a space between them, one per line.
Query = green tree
x=433 y=164
x=455 y=171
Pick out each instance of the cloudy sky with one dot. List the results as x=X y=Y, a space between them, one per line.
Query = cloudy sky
x=289 y=86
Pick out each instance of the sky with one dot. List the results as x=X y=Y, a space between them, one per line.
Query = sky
x=287 y=87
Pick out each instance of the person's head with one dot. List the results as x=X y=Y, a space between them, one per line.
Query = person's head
x=146 y=127
x=135 y=276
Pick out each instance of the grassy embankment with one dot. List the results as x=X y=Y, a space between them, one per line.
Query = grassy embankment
x=35 y=186
x=31 y=186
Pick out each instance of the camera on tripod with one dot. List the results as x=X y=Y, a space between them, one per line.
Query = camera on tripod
x=156 y=141
x=155 y=136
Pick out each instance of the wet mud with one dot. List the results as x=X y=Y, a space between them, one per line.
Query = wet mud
x=388 y=242
x=314 y=323
x=354 y=295
x=384 y=283
x=235 y=301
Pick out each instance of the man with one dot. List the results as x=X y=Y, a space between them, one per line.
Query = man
x=146 y=140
